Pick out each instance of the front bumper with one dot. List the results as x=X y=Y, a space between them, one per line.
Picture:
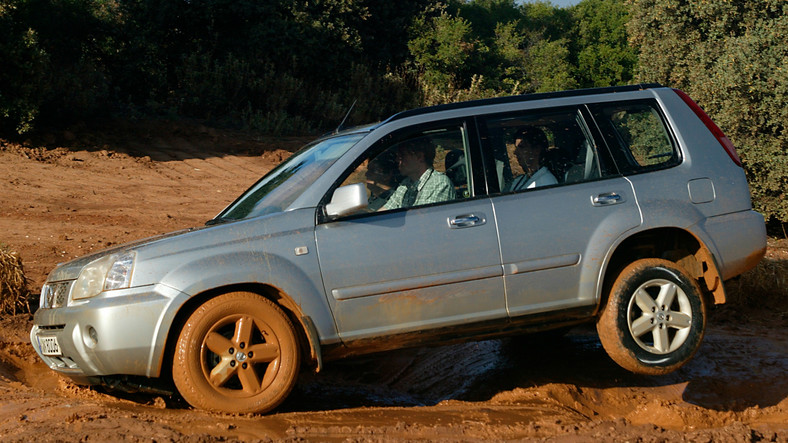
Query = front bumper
x=116 y=332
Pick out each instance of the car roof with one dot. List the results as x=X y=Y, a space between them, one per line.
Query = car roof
x=520 y=98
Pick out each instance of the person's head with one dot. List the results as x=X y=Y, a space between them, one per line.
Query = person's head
x=414 y=157
x=380 y=173
x=530 y=142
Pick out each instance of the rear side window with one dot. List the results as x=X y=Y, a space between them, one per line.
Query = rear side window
x=542 y=148
x=637 y=135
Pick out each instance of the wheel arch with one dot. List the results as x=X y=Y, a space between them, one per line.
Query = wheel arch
x=670 y=243
x=307 y=336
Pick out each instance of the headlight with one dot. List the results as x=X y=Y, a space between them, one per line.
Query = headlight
x=119 y=275
x=105 y=274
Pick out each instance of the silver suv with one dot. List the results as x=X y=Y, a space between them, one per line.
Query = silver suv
x=625 y=206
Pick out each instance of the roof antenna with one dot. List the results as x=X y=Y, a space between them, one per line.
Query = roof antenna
x=342 y=125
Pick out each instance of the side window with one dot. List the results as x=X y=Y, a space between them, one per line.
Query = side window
x=416 y=168
x=536 y=149
x=637 y=136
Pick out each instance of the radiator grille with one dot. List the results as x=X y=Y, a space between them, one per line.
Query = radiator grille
x=55 y=295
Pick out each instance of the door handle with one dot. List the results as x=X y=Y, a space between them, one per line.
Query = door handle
x=606 y=199
x=466 y=221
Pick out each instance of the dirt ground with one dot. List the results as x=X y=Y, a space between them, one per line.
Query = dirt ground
x=67 y=194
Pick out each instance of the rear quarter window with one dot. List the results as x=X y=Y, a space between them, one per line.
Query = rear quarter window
x=637 y=135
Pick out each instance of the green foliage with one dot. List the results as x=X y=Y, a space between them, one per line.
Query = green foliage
x=511 y=58
x=643 y=132
x=551 y=70
x=282 y=66
x=730 y=57
x=604 y=57
x=51 y=61
x=239 y=62
x=24 y=61
x=441 y=46
x=533 y=47
x=263 y=99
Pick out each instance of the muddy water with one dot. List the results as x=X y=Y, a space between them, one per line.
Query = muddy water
x=733 y=371
x=515 y=388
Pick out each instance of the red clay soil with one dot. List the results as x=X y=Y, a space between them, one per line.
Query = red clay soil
x=76 y=192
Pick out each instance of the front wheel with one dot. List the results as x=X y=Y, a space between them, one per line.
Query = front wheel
x=237 y=353
x=654 y=319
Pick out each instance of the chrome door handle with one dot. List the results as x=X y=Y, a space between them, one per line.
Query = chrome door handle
x=466 y=221
x=608 y=198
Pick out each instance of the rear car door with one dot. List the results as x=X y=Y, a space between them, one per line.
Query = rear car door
x=554 y=237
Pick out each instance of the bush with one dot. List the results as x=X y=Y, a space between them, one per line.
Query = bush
x=13 y=284
x=730 y=58
x=260 y=98
x=55 y=61
x=764 y=287
x=24 y=61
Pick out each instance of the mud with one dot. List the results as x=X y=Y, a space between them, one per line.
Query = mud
x=110 y=187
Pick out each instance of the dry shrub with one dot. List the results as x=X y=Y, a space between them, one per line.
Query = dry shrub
x=765 y=286
x=13 y=283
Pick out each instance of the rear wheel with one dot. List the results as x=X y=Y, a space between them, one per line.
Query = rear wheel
x=654 y=319
x=237 y=353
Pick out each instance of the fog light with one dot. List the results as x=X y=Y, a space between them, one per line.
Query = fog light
x=91 y=339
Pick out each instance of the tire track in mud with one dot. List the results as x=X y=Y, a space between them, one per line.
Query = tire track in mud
x=731 y=379
x=235 y=163
x=182 y=161
x=196 y=158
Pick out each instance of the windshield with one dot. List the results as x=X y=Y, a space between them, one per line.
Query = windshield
x=284 y=184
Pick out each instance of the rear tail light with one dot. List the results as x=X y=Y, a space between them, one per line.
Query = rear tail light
x=721 y=137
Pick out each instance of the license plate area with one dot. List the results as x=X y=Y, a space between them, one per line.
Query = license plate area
x=49 y=346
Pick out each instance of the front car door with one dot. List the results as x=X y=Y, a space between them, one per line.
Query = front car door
x=423 y=259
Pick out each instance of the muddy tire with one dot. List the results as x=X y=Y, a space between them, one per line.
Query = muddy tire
x=654 y=318
x=237 y=353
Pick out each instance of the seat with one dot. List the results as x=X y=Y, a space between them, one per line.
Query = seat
x=457 y=172
x=584 y=167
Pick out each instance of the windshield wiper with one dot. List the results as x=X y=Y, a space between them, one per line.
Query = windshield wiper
x=217 y=221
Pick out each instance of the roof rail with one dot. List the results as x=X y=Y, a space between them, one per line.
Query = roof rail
x=520 y=98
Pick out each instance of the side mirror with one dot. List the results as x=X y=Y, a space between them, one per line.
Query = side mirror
x=347 y=200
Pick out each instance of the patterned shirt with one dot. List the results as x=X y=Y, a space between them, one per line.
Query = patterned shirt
x=432 y=187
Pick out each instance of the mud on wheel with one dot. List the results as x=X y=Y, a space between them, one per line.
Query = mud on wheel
x=654 y=319
x=237 y=353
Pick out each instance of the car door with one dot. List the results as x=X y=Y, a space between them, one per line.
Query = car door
x=426 y=265
x=554 y=236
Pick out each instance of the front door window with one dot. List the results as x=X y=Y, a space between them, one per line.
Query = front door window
x=420 y=168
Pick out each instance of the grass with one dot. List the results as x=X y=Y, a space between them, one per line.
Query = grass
x=765 y=286
x=13 y=284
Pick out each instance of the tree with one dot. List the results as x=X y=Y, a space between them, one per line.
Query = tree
x=730 y=56
x=550 y=68
x=53 y=56
x=441 y=47
x=23 y=67
x=603 y=55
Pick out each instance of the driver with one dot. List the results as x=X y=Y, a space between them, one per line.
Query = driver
x=422 y=184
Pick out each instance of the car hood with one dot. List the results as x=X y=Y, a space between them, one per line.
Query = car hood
x=70 y=270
